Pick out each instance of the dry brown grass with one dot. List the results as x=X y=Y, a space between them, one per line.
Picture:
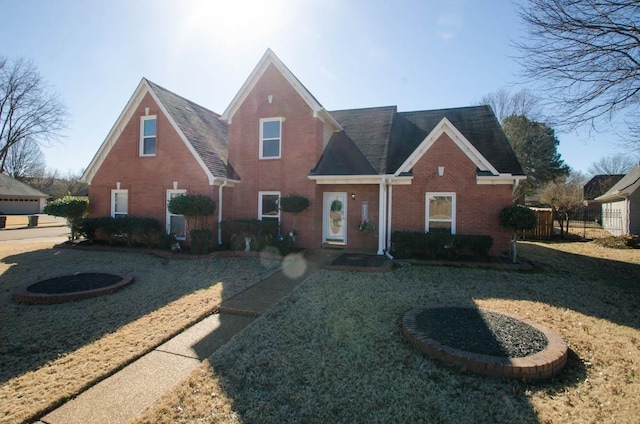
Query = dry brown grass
x=333 y=352
x=50 y=353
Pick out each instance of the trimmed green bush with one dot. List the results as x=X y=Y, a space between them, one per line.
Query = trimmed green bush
x=69 y=207
x=419 y=245
x=249 y=227
x=517 y=218
x=195 y=208
x=132 y=230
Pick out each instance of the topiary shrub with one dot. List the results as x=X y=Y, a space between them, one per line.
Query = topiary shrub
x=194 y=207
x=69 y=207
x=517 y=218
x=294 y=204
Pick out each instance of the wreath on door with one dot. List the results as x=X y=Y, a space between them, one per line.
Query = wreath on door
x=336 y=216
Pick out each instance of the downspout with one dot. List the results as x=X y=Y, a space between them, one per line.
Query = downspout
x=515 y=186
x=220 y=210
x=382 y=217
x=389 y=213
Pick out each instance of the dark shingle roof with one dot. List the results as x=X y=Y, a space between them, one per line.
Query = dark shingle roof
x=386 y=138
x=342 y=157
x=203 y=129
x=625 y=187
x=599 y=185
x=369 y=129
x=478 y=124
x=12 y=187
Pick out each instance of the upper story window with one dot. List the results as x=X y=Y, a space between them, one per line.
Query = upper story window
x=119 y=203
x=441 y=213
x=148 y=132
x=270 y=138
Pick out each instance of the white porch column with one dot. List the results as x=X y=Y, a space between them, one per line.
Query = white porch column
x=382 y=217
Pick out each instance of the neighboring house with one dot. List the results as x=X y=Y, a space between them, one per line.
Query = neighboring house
x=449 y=169
x=599 y=185
x=621 y=205
x=17 y=198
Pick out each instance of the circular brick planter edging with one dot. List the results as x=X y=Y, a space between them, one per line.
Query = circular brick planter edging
x=23 y=295
x=541 y=365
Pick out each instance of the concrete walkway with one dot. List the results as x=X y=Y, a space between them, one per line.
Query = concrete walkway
x=124 y=395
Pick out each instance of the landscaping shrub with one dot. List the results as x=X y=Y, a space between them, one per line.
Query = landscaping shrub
x=432 y=245
x=248 y=227
x=145 y=231
x=69 y=207
x=195 y=208
x=201 y=241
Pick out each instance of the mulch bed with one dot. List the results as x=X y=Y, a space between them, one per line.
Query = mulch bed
x=483 y=332
x=74 y=283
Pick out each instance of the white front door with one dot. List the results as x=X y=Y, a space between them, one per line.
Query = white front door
x=334 y=229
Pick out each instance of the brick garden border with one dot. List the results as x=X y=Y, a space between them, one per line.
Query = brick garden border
x=542 y=365
x=23 y=295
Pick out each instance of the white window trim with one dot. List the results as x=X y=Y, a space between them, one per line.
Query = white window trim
x=453 y=210
x=113 y=202
x=267 y=193
x=262 y=121
x=169 y=214
x=142 y=137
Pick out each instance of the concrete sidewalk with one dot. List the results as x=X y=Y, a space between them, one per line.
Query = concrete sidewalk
x=124 y=395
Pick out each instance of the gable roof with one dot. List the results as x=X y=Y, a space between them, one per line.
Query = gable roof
x=270 y=59
x=202 y=128
x=623 y=188
x=392 y=141
x=204 y=135
x=12 y=187
x=600 y=184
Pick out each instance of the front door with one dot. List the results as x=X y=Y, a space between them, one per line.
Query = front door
x=335 y=218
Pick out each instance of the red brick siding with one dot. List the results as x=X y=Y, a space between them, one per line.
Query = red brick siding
x=477 y=206
x=147 y=178
x=301 y=146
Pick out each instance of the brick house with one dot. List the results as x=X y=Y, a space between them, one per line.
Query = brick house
x=451 y=169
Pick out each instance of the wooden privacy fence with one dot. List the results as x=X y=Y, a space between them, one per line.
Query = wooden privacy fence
x=544 y=228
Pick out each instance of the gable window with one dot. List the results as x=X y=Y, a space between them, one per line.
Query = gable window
x=148 y=132
x=119 y=203
x=441 y=213
x=269 y=206
x=176 y=224
x=270 y=138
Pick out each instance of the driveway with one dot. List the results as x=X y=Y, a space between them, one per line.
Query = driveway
x=49 y=228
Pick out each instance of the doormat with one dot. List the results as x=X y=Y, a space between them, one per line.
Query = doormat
x=360 y=262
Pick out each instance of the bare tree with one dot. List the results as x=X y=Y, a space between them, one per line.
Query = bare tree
x=613 y=165
x=25 y=159
x=56 y=185
x=564 y=197
x=587 y=55
x=521 y=103
x=28 y=110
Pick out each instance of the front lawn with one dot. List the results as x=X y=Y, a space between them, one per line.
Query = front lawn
x=50 y=353
x=333 y=350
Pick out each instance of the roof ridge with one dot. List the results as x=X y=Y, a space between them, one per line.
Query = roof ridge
x=444 y=109
x=154 y=85
x=366 y=108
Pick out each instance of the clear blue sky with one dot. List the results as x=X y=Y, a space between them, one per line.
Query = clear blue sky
x=422 y=54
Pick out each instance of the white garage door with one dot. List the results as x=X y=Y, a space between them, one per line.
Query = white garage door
x=16 y=206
